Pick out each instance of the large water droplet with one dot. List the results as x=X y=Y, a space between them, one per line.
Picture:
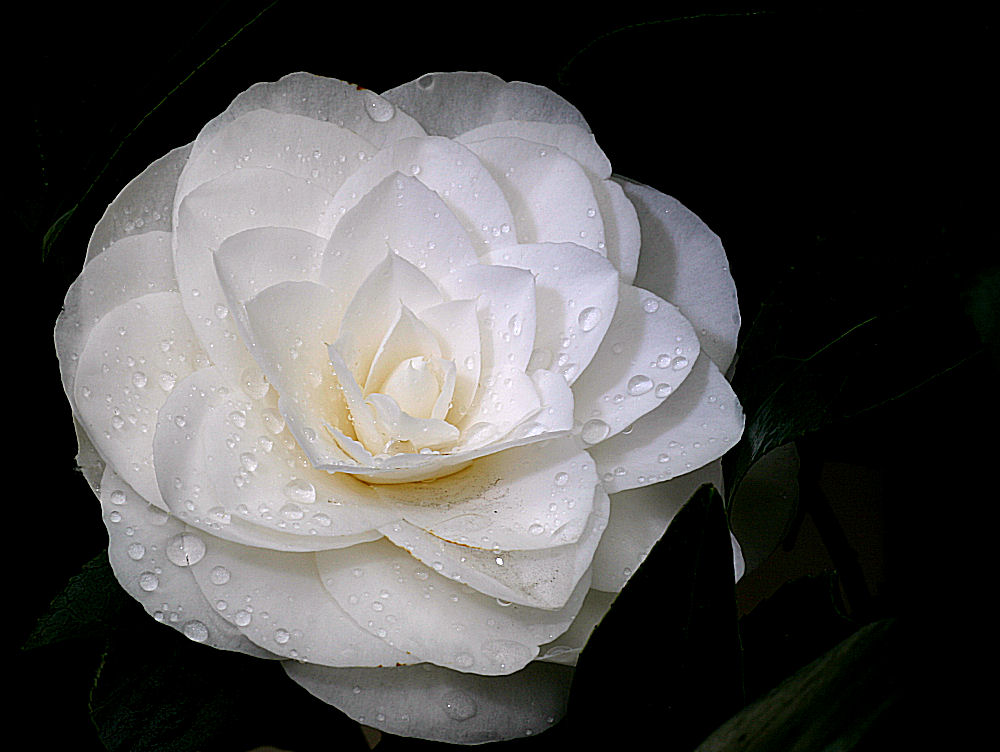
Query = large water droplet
x=273 y=420
x=459 y=705
x=219 y=575
x=136 y=551
x=663 y=390
x=301 y=491
x=594 y=431
x=589 y=318
x=148 y=581
x=185 y=549
x=639 y=385
x=196 y=631
x=380 y=110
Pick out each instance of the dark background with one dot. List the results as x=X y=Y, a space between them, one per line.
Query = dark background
x=845 y=155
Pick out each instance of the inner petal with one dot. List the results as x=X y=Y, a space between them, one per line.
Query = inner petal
x=414 y=387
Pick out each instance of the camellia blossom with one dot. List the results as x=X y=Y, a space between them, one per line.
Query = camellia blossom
x=381 y=386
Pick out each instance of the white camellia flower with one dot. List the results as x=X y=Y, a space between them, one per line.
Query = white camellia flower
x=380 y=386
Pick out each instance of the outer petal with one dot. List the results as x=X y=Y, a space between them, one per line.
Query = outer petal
x=144 y=205
x=576 y=293
x=639 y=518
x=700 y=422
x=237 y=201
x=131 y=267
x=566 y=648
x=684 y=262
x=646 y=354
x=132 y=360
x=542 y=578
x=276 y=599
x=447 y=104
x=494 y=503
x=394 y=597
x=144 y=546
x=550 y=194
x=364 y=113
x=314 y=150
x=431 y=702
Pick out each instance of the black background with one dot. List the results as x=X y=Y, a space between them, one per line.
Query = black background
x=842 y=152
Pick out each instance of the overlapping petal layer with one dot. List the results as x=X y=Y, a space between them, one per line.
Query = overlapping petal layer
x=388 y=380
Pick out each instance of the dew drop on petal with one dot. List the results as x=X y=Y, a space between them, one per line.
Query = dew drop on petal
x=663 y=390
x=219 y=575
x=196 y=631
x=301 y=491
x=594 y=431
x=148 y=581
x=589 y=318
x=639 y=385
x=185 y=549
x=651 y=305
x=459 y=705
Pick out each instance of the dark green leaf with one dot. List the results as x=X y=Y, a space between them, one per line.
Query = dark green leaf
x=667 y=656
x=87 y=607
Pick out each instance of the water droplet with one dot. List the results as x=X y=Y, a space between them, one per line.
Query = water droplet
x=167 y=380
x=536 y=529
x=594 y=431
x=249 y=461
x=380 y=110
x=589 y=318
x=118 y=497
x=136 y=551
x=426 y=82
x=238 y=418
x=254 y=383
x=219 y=575
x=196 y=631
x=459 y=706
x=663 y=361
x=651 y=305
x=301 y=491
x=639 y=385
x=281 y=636
x=562 y=479
x=148 y=581
x=185 y=549
x=679 y=363
x=242 y=618
x=663 y=390
x=663 y=458
x=139 y=379
x=292 y=512
x=273 y=420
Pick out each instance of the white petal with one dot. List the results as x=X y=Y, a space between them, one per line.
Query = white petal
x=506 y=399
x=291 y=324
x=325 y=99
x=276 y=599
x=430 y=702
x=131 y=267
x=576 y=293
x=313 y=150
x=572 y=140
x=457 y=328
x=621 y=225
x=237 y=201
x=144 y=205
x=550 y=194
x=400 y=215
x=542 y=578
x=407 y=337
x=216 y=473
x=375 y=308
x=494 y=502
x=450 y=170
x=639 y=518
x=255 y=259
x=700 y=422
x=132 y=360
x=395 y=597
x=684 y=262
x=505 y=304
x=447 y=104
x=557 y=401
x=646 y=354
x=144 y=547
